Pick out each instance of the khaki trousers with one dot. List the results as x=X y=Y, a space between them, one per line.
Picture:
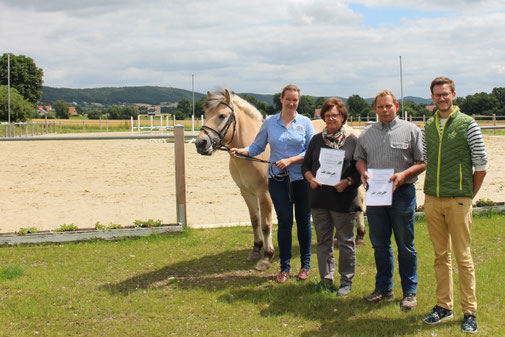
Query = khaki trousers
x=450 y=221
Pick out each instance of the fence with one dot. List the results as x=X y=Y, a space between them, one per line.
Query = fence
x=36 y=127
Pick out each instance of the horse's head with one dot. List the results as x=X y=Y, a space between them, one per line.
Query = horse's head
x=220 y=122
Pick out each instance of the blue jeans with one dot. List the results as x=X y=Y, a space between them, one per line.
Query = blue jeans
x=398 y=219
x=279 y=191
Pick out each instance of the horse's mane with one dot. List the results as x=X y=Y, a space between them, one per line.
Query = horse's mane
x=212 y=103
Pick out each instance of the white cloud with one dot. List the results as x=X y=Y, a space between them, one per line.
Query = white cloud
x=254 y=46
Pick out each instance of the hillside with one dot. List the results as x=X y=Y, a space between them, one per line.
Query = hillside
x=147 y=94
x=108 y=96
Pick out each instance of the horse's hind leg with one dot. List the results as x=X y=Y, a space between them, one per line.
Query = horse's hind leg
x=360 y=218
x=361 y=229
x=252 y=205
x=266 y=209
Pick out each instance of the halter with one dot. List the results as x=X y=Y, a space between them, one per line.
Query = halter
x=224 y=130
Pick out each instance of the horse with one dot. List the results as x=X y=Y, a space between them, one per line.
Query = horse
x=230 y=122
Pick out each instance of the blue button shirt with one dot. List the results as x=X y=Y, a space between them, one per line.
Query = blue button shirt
x=284 y=142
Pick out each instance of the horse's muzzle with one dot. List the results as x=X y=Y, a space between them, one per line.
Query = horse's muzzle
x=204 y=146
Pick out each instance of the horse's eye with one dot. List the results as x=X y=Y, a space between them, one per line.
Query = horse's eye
x=222 y=116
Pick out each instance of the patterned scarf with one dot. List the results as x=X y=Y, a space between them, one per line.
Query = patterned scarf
x=336 y=140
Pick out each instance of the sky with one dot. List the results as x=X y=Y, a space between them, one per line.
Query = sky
x=326 y=47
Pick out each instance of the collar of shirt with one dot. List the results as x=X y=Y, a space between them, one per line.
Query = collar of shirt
x=390 y=125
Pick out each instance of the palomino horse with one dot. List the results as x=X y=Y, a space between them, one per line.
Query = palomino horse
x=233 y=122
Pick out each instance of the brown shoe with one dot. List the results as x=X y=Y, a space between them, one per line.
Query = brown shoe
x=282 y=277
x=303 y=274
x=408 y=302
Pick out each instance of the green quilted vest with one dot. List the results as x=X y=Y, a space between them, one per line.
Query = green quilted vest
x=449 y=172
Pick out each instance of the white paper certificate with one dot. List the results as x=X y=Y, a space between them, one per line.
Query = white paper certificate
x=330 y=171
x=380 y=190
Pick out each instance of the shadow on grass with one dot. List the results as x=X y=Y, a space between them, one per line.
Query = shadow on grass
x=350 y=316
x=225 y=270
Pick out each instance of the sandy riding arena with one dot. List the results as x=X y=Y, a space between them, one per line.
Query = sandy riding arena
x=49 y=183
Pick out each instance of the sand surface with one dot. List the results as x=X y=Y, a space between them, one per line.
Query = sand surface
x=49 y=183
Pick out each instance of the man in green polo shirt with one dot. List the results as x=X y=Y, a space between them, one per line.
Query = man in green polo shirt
x=456 y=166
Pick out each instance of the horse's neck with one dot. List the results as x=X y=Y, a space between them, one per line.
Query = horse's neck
x=246 y=131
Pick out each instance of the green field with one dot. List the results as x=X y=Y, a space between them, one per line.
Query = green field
x=200 y=284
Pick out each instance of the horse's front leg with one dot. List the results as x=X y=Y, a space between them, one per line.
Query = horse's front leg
x=266 y=209
x=252 y=205
x=360 y=218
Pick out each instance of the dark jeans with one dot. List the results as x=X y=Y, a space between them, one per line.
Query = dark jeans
x=398 y=219
x=279 y=191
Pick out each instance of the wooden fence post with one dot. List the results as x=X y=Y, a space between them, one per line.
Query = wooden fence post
x=180 y=175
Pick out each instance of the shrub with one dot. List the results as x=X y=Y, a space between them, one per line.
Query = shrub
x=485 y=202
x=24 y=231
x=148 y=223
x=66 y=228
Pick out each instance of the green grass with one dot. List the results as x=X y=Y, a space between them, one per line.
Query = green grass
x=199 y=283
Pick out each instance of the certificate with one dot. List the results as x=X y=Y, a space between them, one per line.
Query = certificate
x=330 y=171
x=380 y=189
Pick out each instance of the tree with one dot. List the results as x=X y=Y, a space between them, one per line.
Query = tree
x=21 y=109
x=184 y=107
x=260 y=105
x=358 y=106
x=61 y=109
x=277 y=102
x=129 y=111
x=307 y=106
x=319 y=102
x=25 y=76
x=80 y=110
x=94 y=114
x=114 y=111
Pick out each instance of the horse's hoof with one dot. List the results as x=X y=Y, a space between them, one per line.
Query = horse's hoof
x=262 y=265
x=360 y=243
x=253 y=256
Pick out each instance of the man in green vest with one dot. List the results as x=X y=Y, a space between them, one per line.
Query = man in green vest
x=456 y=166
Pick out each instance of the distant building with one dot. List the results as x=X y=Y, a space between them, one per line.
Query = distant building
x=72 y=111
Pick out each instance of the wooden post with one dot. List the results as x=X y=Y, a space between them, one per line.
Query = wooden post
x=424 y=119
x=107 y=124
x=100 y=123
x=180 y=175
x=83 y=127
x=494 y=123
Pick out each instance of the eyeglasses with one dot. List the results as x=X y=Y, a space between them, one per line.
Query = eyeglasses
x=332 y=116
x=444 y=95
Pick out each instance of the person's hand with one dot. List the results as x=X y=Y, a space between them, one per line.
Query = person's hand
x=234 y=151
x=398 y=180
x=314 y=184
x=342 y=185
x=364 y=178
x=283 y=163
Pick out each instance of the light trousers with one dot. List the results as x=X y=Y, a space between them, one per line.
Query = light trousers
x=449 y=222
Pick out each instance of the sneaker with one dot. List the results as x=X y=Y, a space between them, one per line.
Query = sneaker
x=282 y=277
x=438 y=315
x=469 y=323
x=344 y=290
x=408 y=302
x=378 y=296
x=303 y=274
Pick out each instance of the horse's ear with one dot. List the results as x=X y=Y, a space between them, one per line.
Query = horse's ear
x=209 y=95
x=227 y=96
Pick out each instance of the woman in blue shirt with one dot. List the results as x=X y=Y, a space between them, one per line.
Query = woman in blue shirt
x=288 y=133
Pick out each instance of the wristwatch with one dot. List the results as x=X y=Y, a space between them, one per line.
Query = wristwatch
x=349 y=181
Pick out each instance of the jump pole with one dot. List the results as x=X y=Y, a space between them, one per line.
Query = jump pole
x=180 y=175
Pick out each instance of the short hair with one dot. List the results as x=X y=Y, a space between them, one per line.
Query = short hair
x=334 y=102
x=290 y=87
x=441 y=80
x=383 y=93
